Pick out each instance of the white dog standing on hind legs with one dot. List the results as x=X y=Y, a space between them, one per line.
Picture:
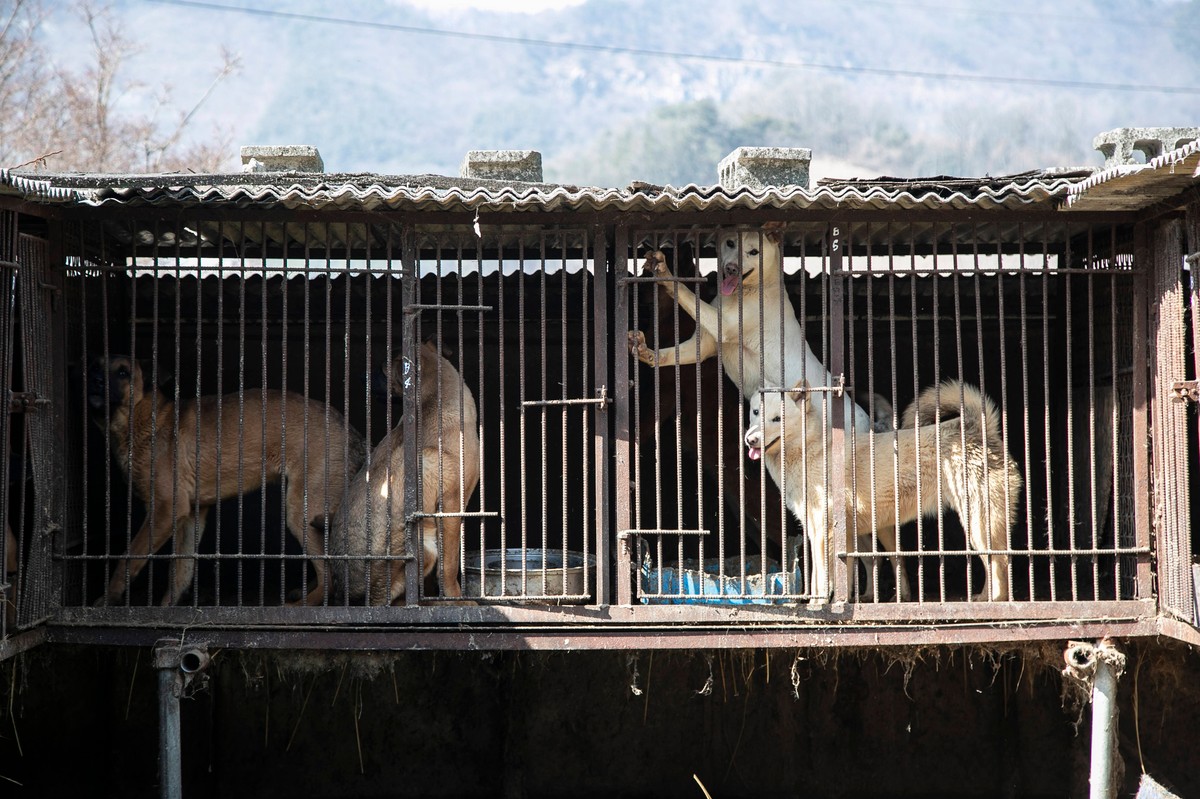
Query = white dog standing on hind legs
x=979 y=481
x=759 y=317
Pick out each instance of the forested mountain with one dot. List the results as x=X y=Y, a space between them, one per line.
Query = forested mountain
x=386 y=87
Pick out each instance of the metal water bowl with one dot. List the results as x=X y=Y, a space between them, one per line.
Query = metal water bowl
x=537 y=575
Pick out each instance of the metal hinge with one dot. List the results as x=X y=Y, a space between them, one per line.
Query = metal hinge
x=1186 y=391
x=25 y=401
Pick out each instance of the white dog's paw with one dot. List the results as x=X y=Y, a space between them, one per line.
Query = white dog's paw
x=638 y=348
x=656 y=264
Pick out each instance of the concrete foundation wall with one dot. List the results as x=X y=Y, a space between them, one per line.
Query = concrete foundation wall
x=945 y=723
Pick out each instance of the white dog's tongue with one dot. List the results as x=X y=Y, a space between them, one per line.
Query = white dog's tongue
x=754 y=452
x=729 y=284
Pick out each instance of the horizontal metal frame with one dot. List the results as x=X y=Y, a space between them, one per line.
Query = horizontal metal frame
x=782 y=615
x=596 y=630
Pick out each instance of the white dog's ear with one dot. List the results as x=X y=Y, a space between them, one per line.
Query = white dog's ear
x=800 y=392
x=774 y=231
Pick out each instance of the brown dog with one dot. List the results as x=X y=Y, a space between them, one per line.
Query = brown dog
x=371 y=521
x=182 y=471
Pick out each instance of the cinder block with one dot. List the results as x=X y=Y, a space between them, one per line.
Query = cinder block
x=758 y=168
x=1118 y=145
x=282 y=158
x=524 y=166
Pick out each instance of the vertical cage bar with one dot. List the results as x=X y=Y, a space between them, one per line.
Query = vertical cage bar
x=1069 y=390
x=836 y=453
x=624 y=396
x=1026 y=417
x=410 y=342
x=1047 y=421
x=602 y=441
x=1142 y=500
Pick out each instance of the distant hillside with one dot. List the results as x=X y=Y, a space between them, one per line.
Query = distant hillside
x=386 y=100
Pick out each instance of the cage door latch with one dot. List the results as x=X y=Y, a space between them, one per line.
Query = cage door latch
x=25 y=401
x=1186 y=391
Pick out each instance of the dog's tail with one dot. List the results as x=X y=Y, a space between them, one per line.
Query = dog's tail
x=952 y=399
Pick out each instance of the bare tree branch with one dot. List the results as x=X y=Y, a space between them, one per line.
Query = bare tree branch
x=82 y=116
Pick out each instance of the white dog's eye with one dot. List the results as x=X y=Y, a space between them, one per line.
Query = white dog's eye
x=751 y=252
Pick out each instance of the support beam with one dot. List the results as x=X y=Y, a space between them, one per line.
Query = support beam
x=1094 y=669
x=178 y=666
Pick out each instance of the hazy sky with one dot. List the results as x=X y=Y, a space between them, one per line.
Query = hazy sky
x=519 y=6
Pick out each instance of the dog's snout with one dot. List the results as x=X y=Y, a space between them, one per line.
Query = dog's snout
x=97 y=387
x=753 y=437
x=380 y=384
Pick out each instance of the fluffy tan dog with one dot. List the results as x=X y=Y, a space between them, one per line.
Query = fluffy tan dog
x=372 y=519
x=978 y=480
x=181 y=472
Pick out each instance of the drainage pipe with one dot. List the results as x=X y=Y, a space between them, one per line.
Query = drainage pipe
x=178 y=668
x=1104 y=730
x=1092 y=670
x=170 y=688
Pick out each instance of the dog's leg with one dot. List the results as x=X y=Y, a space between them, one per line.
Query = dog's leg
x=818 y=540
x=998 y=564
x=676 y=354
x=706 y=316
x=308 y=536
x=147 y=541
x=889 y=543
x=190 y=528
x=426 y=533
x=449 y=557
x=987 y=532
x=866 y=590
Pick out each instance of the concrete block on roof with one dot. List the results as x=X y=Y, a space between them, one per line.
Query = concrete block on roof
x=758 y=168
x=523 y=166
x=1119 y=145
x=282 y=158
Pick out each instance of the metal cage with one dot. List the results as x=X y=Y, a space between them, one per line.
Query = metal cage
x=610 y=496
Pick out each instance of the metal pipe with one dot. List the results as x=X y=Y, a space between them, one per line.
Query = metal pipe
x=170 y=687
x=178 y=667
x=1104 y=730
x=1094 y=669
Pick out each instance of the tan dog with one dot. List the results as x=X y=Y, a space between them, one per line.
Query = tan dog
x=193 y=469
x=979 y=481
x=752 y=262
x=372 y=519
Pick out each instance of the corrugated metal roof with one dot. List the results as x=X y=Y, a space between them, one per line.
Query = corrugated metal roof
x=33 y=188
x=371 y=192
x=1135 y=186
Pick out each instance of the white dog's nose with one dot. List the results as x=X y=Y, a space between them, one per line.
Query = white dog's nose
x=753 y=441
